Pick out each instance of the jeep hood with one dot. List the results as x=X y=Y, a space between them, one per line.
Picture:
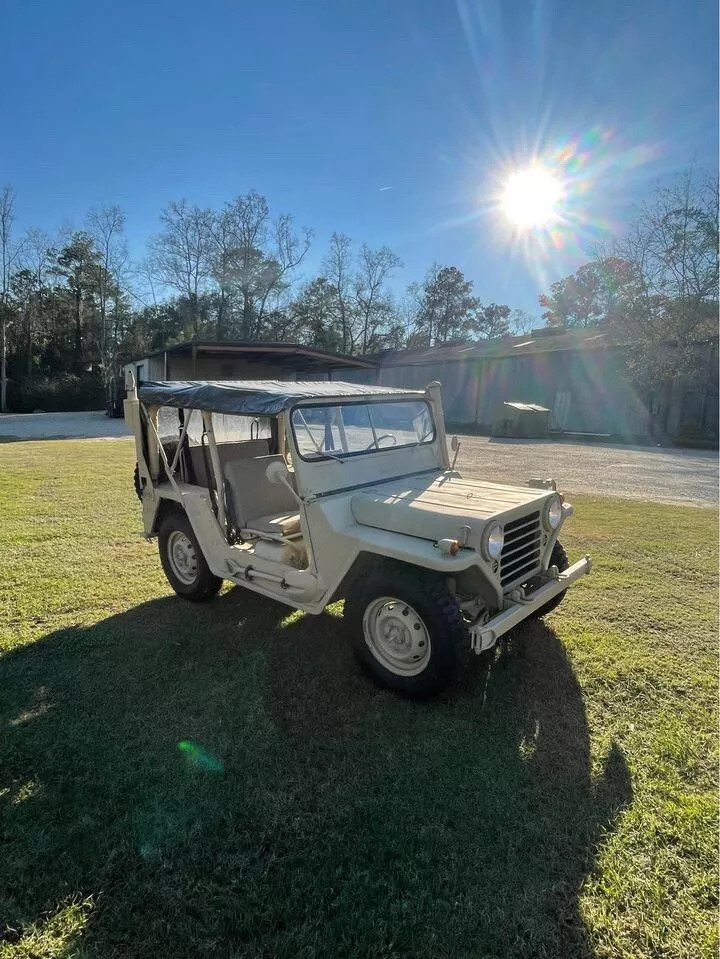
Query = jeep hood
x=438 y=507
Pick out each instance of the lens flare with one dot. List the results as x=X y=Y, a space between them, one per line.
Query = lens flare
x=200 y=758
x=531 y=198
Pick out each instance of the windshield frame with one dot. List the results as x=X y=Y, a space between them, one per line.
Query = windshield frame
x=342 y=455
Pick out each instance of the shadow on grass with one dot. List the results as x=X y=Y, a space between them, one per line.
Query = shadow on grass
x=221 y=780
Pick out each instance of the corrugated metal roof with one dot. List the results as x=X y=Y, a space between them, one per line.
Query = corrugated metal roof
x=528 y=407
x=294 y=353
x=539 y=341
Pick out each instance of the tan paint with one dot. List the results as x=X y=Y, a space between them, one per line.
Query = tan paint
x=370 y=503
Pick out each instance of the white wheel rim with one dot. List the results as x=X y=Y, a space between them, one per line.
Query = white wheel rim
x=182 y=557
x=396 y=636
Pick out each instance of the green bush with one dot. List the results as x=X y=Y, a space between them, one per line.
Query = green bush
x=69 y=392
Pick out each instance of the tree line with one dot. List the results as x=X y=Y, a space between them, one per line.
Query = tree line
x=75 y=307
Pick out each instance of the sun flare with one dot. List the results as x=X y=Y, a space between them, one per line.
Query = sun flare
x=531 y=197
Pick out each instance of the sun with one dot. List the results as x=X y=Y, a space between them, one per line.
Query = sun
x=531 y=197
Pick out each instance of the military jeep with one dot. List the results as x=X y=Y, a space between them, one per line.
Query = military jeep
x=313 y=492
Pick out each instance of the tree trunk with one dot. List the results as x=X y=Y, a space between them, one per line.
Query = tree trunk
x=3 y=362
x=28 y=344
x=193 y=303
x=220 y=327
x=78 y=328
x=247 y=315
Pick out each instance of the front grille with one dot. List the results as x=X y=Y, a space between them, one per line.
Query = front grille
x=521 y=551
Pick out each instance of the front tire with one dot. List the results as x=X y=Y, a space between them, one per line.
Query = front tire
x=407 y=631
x=558 y=558
x=182 y=560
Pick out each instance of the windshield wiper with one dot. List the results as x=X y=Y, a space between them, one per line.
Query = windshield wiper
x=331 y=456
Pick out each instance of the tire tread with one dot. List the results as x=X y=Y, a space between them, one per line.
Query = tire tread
x=430 y=597
x=207 y=583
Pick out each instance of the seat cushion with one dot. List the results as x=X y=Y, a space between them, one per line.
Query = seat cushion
x=226 y=452
x=283 y=524
x=252 y=495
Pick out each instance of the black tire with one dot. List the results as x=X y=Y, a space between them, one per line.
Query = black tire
x=558 y=558
x=136 y=482
x=428 y=600
x=198 y=583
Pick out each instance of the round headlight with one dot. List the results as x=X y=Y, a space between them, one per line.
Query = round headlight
x=492 y=541
x=553 y=512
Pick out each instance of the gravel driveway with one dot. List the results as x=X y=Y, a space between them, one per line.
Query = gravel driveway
x=43 y=426
x=630 y=472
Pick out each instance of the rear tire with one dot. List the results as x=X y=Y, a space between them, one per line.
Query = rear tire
x=407 y=630
x=182 y=560
x=558 y=558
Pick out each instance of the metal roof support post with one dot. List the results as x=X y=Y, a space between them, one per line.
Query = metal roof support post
x=217 y=470
x=433 y=391
x=165 y=365
x=183 y=434
x=194 y=361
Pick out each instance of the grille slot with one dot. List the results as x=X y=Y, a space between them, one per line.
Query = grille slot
x=521 y=552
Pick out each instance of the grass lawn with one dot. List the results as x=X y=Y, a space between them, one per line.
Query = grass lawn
x=220 y=780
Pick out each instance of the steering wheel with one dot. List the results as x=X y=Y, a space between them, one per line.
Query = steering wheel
x=384 y=436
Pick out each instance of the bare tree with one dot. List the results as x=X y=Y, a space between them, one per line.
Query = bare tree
x=105 y=225
x=675 y=240
x=374 y=306
x=181 y=253
x=521 y=322
x=8 y=256
x=143 y=282
x=337 y=268
x=288 y=252
x=35 y=262
x=221 y=267
x=245 y=225
x=407 y=312
x=256 y=256
x=671 y=255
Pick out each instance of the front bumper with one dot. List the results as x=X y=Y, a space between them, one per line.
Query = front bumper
x=484 y=635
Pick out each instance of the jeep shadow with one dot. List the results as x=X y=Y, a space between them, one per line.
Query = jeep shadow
x=223 y=780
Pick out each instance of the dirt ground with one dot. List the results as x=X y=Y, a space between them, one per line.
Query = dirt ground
x=656 y=475
x=629 y=472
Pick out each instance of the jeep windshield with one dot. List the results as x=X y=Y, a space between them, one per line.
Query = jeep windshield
x=339 y=430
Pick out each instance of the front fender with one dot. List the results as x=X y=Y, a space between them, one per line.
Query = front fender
x=356 y=542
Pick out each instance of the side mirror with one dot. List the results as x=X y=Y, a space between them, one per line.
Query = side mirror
x=455 y=446
x=276 y=472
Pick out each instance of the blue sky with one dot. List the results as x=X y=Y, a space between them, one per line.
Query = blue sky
x=394 y=122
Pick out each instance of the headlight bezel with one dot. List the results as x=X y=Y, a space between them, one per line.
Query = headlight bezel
x=553 y=506
x=498 y=544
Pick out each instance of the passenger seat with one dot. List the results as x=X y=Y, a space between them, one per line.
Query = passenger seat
x=257 y=507
x=226 y=452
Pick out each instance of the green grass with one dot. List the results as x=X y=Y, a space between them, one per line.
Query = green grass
x=220 y=780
